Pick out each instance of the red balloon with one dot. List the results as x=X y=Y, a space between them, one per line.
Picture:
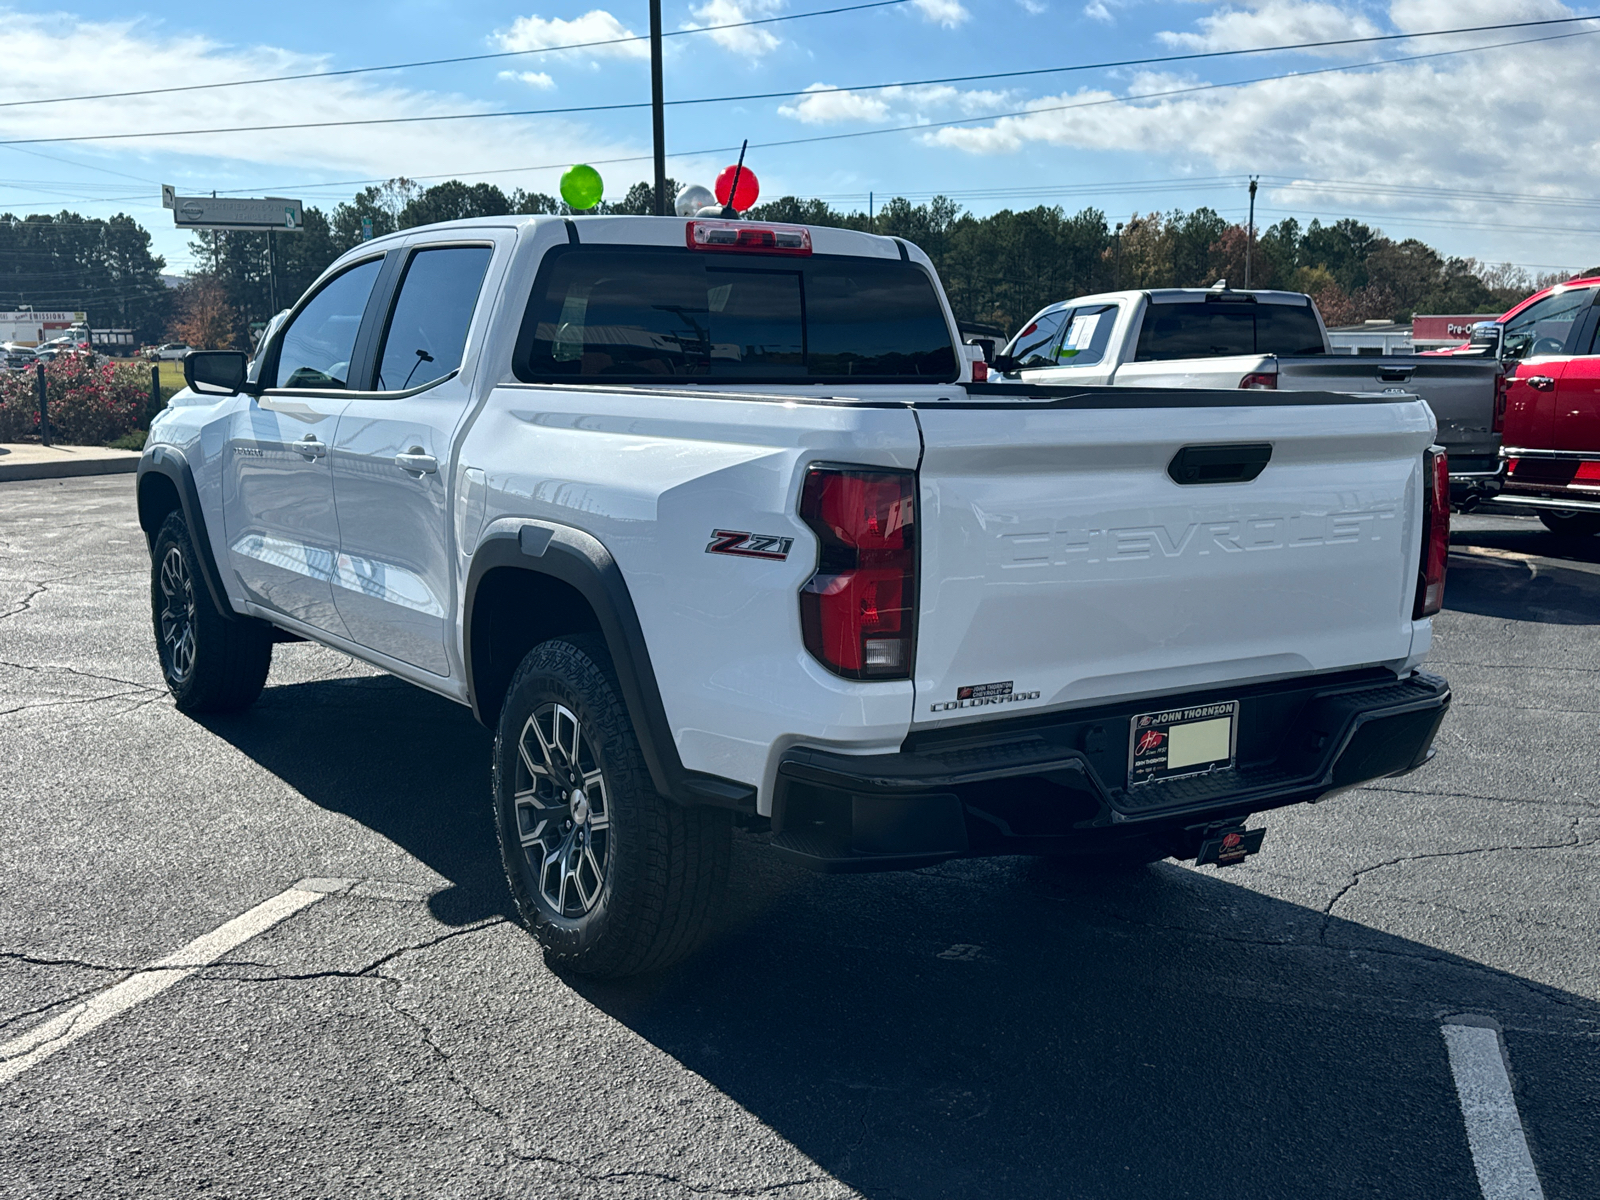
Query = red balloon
x=749 y=189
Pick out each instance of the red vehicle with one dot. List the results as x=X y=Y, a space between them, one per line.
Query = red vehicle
x=1549 y=409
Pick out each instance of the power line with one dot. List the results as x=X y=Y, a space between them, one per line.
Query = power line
x=462 y=58
x=592 y=108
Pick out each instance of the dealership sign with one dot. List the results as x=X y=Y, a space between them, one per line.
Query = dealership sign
x=233 y=212
x=1447 y=329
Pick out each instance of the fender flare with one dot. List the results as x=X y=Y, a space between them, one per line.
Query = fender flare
x=579 y=560
x=172 y=466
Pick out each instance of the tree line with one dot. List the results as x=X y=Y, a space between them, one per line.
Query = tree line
x=998 y=269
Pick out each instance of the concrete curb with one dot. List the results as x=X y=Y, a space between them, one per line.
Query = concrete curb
x=68 y=468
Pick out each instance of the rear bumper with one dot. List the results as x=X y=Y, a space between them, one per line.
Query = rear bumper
x=1057 y=784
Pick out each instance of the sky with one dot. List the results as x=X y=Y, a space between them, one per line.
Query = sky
x=1488 y=154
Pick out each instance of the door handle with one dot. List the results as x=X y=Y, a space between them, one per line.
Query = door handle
x=1541 y=383
x=416 y=462
x=309 y=446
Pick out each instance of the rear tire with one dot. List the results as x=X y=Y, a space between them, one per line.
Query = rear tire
x=211 y=663
x=613 y=878
x=1571 y=524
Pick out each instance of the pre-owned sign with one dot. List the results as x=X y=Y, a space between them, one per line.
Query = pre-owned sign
x=233 y=212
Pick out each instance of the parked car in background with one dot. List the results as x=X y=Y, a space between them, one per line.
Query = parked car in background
x=1222 y=337
x=1551 y=405
x=171 y=352
x=18 y=358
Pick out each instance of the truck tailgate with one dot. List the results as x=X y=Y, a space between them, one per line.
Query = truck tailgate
x=1062 y=565
x=1460 y=391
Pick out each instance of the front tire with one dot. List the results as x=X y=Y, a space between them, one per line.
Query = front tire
x=211 y=663
x=1571 y=524
x=613 y=878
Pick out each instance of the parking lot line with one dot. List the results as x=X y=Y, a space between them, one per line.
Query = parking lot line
x=38 y=1044
x=1494 y=1128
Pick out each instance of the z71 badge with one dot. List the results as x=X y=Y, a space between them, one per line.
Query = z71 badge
x=749 y=545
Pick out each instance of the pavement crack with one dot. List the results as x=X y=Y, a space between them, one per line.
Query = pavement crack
x=372 y=968
x=594 y=1176
x=69 y=998
x=26 y=602
x=1361 y=873
x=41 y=960
x=389 y=995
x=51 y=668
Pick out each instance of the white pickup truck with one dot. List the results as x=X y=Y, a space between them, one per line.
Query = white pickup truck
x=1221 y=337
x=709 y=522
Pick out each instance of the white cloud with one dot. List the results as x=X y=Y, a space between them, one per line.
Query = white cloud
x=1467 y=123
x=597 y=25
x=1097 y=11
x=823 y=105
x=1033 y=7
x=826 y=105
x=948 y=13
x=48 y=57
x=534 y=79
x=1273 y=23
x=751 y=41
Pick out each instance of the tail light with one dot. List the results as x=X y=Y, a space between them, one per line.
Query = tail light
x=1435 y=534
x=738 y=235
x=1259 y=381
x=1502 y=386
x=858 y=612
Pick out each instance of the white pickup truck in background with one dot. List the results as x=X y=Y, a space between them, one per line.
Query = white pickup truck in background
x=708 y=520
x=1225 y=338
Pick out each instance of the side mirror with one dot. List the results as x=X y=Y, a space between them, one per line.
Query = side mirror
x=1486 y=338
x=1004 y=364
x=217 y=372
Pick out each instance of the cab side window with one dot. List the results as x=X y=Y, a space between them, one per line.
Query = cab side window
x=1545 y=326
x=1036 y=345
x=1088 y=334
x=427 y=331
x=316 y=348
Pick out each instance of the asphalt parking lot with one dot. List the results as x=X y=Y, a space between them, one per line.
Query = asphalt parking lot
x=997 y=1028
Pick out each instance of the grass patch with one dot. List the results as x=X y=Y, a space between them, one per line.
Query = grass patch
x=129 y=441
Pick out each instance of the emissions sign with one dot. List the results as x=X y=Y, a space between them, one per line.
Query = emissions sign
x=232 y=212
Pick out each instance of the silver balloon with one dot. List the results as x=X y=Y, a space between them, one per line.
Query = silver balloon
x=692 y=199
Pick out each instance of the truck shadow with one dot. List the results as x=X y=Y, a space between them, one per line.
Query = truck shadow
x=421 y=778
x=1520 y=588
x=1004 y=1029
x=998 y=1028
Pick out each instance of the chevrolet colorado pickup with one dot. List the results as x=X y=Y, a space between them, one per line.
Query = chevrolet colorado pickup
x=709 y=522
x=1221 y=337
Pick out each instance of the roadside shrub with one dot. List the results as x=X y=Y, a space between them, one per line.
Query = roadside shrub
x=93 y=403
x=19 y=405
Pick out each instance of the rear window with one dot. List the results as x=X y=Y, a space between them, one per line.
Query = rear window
x=1210 y=328
x=642 y=314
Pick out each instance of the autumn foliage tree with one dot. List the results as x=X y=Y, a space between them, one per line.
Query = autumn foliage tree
x=205 y=319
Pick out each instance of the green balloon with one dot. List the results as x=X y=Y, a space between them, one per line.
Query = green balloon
x=581 y=187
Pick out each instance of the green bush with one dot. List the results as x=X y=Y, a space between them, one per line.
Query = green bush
x=91 y=403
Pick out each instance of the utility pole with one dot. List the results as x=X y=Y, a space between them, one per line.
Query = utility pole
x=1117 y=277
x=1250 y=230
x=272 y=274
x=658 y=110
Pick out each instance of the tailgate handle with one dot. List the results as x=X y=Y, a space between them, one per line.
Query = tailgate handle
x=1395 y=374
x=1219 y=464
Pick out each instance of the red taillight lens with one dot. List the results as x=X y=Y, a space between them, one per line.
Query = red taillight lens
x=1259 y=381
x=1588 y=475
x=1435 y=535
x=1502 y=386
x=858 y=612
x=738 y=235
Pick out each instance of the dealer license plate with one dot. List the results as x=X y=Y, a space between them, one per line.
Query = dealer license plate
x=1182 y=741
